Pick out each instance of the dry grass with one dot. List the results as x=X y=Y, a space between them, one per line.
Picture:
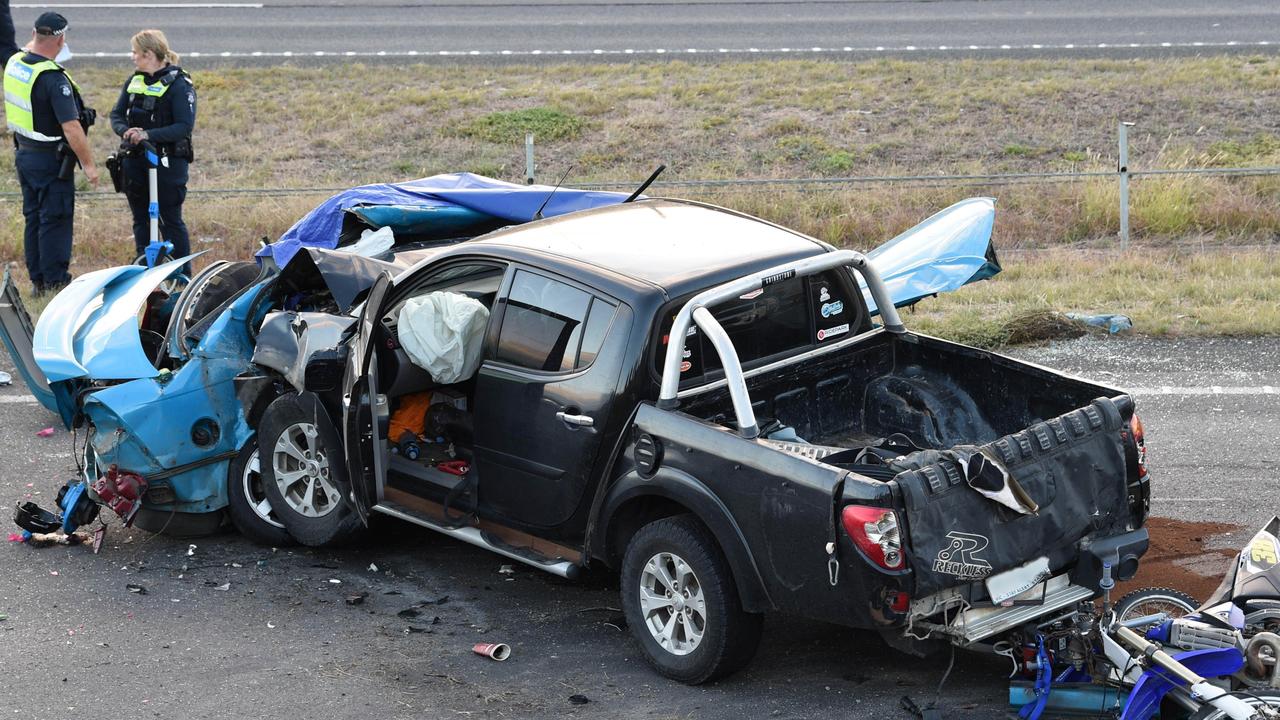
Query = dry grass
x=347 y=125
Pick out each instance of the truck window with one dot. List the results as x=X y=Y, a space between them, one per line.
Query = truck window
x=551 y=326
x=775 y=321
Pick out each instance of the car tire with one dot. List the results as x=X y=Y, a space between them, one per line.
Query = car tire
x=1152 y=600
x=247 y=503
x=679 y=567
x=304 y=472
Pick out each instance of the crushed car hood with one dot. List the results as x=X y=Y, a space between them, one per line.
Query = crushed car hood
x=90 y=329
x=950 y=249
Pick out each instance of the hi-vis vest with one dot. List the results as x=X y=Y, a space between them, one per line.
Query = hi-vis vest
x=138 y=86
x=19 y=80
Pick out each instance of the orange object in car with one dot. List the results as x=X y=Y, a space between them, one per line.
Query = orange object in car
x=411 y=416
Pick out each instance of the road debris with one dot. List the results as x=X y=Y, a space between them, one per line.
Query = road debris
x=357 y=599
x=138 y=589
x=5 y=378
x=47 y=432
x=191 y=550
x=507 y=570
x=1112 y=323
x=373 y=567
x=579 y=699
x=493 y=651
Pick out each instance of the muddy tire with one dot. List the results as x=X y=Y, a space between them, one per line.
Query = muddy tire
x=304 y=472
x=681 y=603
x=1148 y=601
x=247 y=503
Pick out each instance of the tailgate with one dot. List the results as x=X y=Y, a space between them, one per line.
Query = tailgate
x=1072 y=466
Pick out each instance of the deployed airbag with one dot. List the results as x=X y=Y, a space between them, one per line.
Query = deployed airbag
x=442 y=332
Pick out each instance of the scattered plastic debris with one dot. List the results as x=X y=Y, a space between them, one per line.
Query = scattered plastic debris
x=413 y=630
x=373 y=568
x=47 y=432
x=271 y=625
x=224 y=586
x=579 y=699
x=335 y=581
x=493 y=651
x=357 y=599
x=1112 y=323
x=5 y=378
x=507 y=570
x=3 y=617
x=139 y=589
x=191 y=550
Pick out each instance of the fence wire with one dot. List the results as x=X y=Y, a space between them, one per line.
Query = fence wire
x=913 y=180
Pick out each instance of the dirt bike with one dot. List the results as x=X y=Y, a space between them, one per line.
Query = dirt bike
x=1212 y=661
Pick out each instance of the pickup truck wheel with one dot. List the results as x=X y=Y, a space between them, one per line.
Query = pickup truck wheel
x=247 y=502
x=303 y=467
x=682 y=605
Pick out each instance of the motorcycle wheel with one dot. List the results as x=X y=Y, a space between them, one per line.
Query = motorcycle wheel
x=1269 y=699
x=1148 y=601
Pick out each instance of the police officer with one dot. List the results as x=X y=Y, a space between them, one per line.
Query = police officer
x=157 y=104
x=48 y=119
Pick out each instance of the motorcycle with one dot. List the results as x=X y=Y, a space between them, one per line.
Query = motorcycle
x=1155 y=646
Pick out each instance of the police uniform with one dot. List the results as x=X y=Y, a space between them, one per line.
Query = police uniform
x=164 y=104
x=38 y=97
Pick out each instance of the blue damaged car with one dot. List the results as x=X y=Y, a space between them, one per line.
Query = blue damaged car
x=162 y=390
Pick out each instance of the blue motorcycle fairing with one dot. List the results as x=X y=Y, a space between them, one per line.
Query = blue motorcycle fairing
x=1144 y=699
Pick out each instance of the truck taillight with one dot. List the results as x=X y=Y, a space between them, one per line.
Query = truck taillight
x=1140 y=442
x=875 y=531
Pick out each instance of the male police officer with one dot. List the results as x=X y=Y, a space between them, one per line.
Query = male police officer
x=48 y=119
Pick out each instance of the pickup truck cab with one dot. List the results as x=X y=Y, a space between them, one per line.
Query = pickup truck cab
x=704 y=401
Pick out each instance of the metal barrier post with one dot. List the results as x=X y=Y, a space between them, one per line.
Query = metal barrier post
x=528 y=159
x=1122 y=169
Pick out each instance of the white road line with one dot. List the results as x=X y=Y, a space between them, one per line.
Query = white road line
x=17 y=400
x=663 y=51
x=1188 y=499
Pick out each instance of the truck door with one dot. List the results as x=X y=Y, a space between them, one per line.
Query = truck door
x=360 y=404
x=544 y=396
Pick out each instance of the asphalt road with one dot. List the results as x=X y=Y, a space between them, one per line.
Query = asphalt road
x=540 y=30
x=281 y=641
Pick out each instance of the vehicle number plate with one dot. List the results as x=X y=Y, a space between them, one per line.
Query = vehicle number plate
x=1012 y=583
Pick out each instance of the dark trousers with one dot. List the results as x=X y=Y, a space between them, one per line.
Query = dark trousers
x=7 y=45
x=48 y=205
x=171 y=185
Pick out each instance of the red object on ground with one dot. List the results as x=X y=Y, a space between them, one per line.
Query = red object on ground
x=493 y=651
x=121 y=491
x=47 y=432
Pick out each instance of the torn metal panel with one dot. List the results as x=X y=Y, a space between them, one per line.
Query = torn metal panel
x=287 y=341
x=17 y=333
x=950 y=249
x=182 y=426
x=344 y=276
x=90 y=329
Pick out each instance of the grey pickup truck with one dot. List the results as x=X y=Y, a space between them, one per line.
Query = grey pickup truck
x=707 y=403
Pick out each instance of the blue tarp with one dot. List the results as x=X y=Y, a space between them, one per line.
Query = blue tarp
x=495 y=198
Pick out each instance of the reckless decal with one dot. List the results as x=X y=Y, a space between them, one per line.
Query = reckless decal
x=833 y=308
x=960 y=558
x=832 y=332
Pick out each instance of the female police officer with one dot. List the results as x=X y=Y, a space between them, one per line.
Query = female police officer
x=157 y=104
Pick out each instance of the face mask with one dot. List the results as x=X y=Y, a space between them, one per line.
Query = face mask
x=64 y=54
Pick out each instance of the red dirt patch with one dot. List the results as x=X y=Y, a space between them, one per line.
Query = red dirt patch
x=1178 y=556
